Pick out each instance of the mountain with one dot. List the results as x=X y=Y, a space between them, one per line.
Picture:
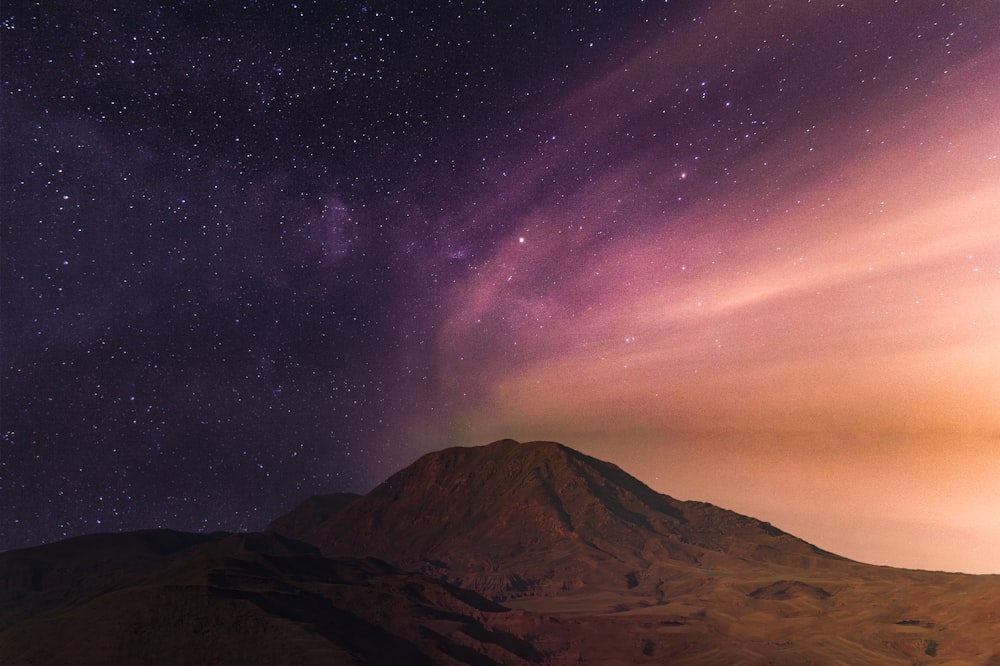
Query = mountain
x=635 y=576
x=509 y=553
x=513 y=519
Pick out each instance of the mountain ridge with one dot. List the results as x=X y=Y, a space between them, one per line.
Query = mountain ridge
x=508 y=553
x=457 y=512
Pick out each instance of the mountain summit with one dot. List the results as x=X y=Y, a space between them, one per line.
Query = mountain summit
x=511 y=519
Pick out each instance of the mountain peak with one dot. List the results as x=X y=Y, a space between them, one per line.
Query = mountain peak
x=554 y=517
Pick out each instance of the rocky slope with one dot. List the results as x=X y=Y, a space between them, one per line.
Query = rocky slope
x=512 y=519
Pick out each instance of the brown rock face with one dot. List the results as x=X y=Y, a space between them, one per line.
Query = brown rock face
x=512 y=519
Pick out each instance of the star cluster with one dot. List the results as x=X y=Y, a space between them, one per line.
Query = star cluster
x=256 y=251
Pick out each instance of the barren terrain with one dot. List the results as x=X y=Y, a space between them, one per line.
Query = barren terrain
x=505 y=554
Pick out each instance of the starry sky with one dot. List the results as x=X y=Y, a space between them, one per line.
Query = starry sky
x=748 y=251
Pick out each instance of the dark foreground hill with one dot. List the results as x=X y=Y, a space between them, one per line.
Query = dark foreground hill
x=242 y=599
x=590 y=566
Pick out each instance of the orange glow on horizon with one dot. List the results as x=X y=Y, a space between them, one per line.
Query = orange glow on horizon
x=817 y=344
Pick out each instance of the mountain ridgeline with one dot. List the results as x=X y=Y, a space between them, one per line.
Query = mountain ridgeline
x=509 y=553
x=511 y=519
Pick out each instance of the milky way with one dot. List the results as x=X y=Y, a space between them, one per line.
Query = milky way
x=748 y=251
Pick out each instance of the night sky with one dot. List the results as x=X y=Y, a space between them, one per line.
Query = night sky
x=748 y=251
